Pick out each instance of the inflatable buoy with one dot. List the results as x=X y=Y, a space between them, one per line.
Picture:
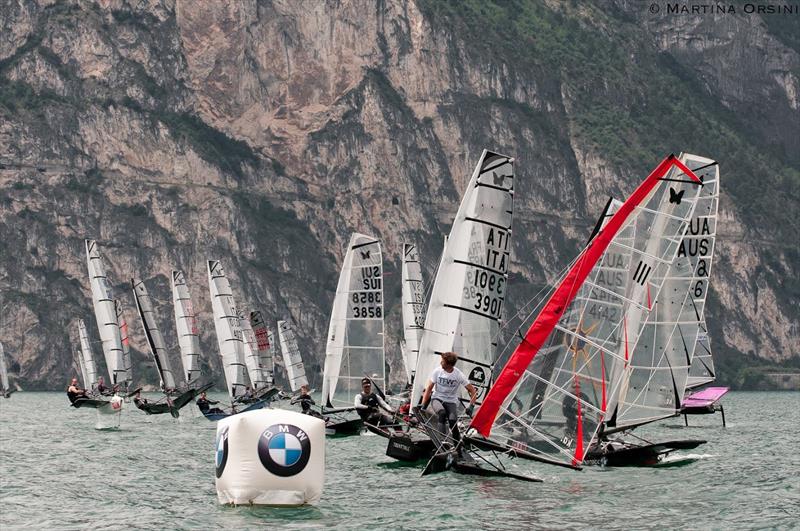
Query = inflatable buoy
x=270 y=457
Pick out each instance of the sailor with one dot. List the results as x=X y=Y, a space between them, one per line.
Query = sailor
x=74 y=392
x=368 y=406
x=140 y=402
x=101 y=388
x=205 y=405
x=305 y=400
x=441 y=393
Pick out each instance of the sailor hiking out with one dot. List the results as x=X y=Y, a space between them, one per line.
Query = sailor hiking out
x=368 y=406
x=305 y=401
x=441 y=394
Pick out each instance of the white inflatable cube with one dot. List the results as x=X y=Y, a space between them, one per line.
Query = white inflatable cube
x=270 y=457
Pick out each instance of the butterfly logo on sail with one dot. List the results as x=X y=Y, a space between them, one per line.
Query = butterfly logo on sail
x=498 y=179
x=365 y=254
x=675 y=197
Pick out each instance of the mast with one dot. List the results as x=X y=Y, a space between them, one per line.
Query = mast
x=413 y=301
x=155 y=340
x=264 y=344
x=292 y=360
x=355 y=334
x=86 y=357
x=555 y=390
x=186 y=326
x=467 y=297
x=661 y=361
x=106 y=311
x=228 y=328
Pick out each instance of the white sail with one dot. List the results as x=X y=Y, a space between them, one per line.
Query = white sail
x=264 y=346
x=3 y=372
x=565 y=377
x=252 y=358
x=470 y=286
x=186 y=326
x=355 y=334
x=292 y=360
x=228 y=328
x=702 y=371
x=413 y=302
x=659 y=367
x=106 y=311
x=155 y=340
x=86 y=357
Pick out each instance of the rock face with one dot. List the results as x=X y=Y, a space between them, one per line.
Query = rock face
x=263 y=133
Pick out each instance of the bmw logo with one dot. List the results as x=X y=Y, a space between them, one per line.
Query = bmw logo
x=284 y=449
x=221 y=456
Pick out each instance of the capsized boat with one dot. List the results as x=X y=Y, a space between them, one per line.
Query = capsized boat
x=572 y=366
x=231 y=343
x=5 y=387
x=468 y=293
x=355 y=346
x=174 y=397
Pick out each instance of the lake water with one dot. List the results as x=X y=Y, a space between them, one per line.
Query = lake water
x=58 y=472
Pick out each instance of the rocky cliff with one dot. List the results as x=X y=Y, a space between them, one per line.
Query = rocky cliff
x=263 y=133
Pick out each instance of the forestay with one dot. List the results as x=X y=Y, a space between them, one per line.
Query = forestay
x=155 y=340
x=186 y=326
x=107 y=313
x=355 y=334
x=86 y=357
x=252 y=358
x=413 y=302
x=228 y=329
x=295 y=371
x=662 y=357
x=467 y=297
x=571 y=365
x=264 y=346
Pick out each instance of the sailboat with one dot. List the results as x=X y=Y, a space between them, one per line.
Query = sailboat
x=571 y=369
x=174 y=399
x=111 y=326
x=264 y=343
x=5 y=388
x=94 y=399
x=468 y=292
x=231 y=343
x=413 y=309
x=355 y=346
x=292 y=360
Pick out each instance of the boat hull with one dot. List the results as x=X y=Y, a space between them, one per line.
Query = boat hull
x=344 y=428
x=215 y=416
x=639 y=456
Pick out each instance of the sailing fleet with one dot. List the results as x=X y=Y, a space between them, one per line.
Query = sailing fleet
x=618 y=341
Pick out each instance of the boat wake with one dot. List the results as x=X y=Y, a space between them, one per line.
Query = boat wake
x=682 y=459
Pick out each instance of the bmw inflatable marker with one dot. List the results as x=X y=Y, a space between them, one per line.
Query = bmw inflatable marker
x=270 y=457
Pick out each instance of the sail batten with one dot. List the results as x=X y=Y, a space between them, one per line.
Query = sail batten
x=469 y=288
x=355 y=346
x=577 y=382
x=228 y=329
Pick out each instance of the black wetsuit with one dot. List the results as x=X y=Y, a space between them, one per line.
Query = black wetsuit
x=205 y=406
x=306 y=402
x=372 y=414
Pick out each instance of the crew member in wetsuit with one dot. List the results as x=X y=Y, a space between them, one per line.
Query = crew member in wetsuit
x=101 y=388
x=368 y=406
x=140 y=402
x=74 y=392
x=441 y=394
x=306 y=402
x=205 y=405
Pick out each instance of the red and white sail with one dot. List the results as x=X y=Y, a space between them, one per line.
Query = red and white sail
x=571 y=366
x=264 y=346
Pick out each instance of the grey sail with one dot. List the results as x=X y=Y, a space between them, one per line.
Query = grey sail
x=155 y=340
x=228 y=328
x=6 y=389
x=293 y=361
x=186 y=326
x=264 y=346
x=87 y=363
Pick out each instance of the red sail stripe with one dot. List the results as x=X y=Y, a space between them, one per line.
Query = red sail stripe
x=603 y=374
x=543 y=326
x=625 y=331
x=576 y=460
